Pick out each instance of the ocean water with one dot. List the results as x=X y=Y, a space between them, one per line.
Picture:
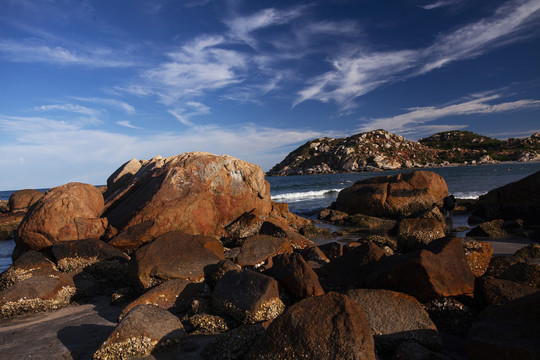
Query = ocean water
x=308 y=194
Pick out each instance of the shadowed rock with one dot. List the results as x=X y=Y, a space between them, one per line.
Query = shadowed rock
x=257 y=249
x=22 y=200
x=27 y=265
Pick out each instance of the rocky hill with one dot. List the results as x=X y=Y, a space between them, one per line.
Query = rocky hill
x=382 y=150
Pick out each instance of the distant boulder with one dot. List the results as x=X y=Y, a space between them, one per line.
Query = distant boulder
x=197 y=193
x=68 y=212
x=21 y=200
x=393 y=196
x=122 y=176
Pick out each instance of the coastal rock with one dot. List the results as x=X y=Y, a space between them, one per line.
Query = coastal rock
x=296 y=276
x=22 y=200
x=207 y=324
x=172 y=295
x=529 y=252
x=215 y=272
x=366 y=222
x=312 y=232
x=490 y=229
x=414 y=234
x=332 y=250
x=353 y=268
x=439 y=270
x=79 y=254
x=517 y=200
x=247 y=297
x=523 y=273
x=507 y=332
x=450 y=315
x=174 y=255
x=121 y=177
x=281 y=211
x=478 y=255
x=396 y=317
x=9 y=222
x=298 y=332
x=259 y=248
x=27 y=265
x=393 y=196
x=493 y=291
x=144 y=330
x=411 y=350
x=499 y=264
x=35 y=294
x=248 y=224
x=68 y=212
x=197 y=193
x=233 y=344
x=278 y=227
x=4 y=206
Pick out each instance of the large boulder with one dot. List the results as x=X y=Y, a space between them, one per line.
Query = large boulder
x=439 y=270
x=259 y=248
x=197 y=193
x=414 y=234
x=22 y=200
x=9 y=222
x=393 y=196
x=493 y=291
x=517 y=200
x=79 y=254
x=292 y=271
x=144 y=330
x=174 y=255
x=396 y=317
x=507 y=332
x=247 y=297
x=330 y=326
x=68 y=212
x=35 y=294
x=29 y=264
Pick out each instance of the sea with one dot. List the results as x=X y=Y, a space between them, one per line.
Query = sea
x=308 y=194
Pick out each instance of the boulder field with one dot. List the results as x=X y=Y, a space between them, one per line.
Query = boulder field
x=199 y=263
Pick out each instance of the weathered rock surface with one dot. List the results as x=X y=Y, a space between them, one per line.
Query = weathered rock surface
x=493 y=291
x=507 y=332
x=330 y=326
x=393 y=196
x=9 y=222
x=207 y=324
x=121 y=177
x=68 y=212
x=35 y=294
x=247 y=296
x=296 y=276
x=259 y=248
x=145 y=329
x=79 y=254
x=197 y=193
x=517 y=200
x=478 y=255
x=414 y=234
x=233 y=344
x=172 y=295
x=490 y=229
x=22 y=200
x=27 y=265
x=439 y=270
x=174 y=255
x=396 y=317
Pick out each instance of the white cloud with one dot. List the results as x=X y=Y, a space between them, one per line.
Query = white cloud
x=192 y=108
x=127 y=124
x=36 y=50
x=354 y=74
x=127 y=108
x=420 y=115
x=55 y=152
x=440 y=3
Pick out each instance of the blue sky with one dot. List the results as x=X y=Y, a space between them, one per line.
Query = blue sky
x=88 y=85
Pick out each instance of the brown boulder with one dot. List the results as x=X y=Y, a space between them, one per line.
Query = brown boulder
x=499 y=264
x=79 y=254
x=353 y=268
x=439 y=270
x=517 y=200
x=393 y=196
x=144 y=330
x=257 y=249
x=279 y=227
x=296 y=276
x=68 y=212
x=9 y=222
x=414 y=234
x=197 y=193
x=478 y=255
x=330 y=326
x=172 y=295
x=394 y=318
x=174 y=255
x=29 y=264
x=121 y=177
x=507 y=332
x=490 y=229
x=35 y=294
x=247 y=296
x=493 y=291
x=281 y=210
x=248 y=224
x=22 y=200
x=4 y=206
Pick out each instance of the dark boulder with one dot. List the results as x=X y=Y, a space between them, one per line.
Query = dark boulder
x=414 y=234
x=9 y=222
x=259 y=248
x=79 y=254
x=490 y=229
x=330 y=326
x=493 y=291
x=29 y=264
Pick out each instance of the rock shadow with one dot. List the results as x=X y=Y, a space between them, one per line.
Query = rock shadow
x=83 y=340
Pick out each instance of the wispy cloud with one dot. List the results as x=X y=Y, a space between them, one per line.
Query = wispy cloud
x=440 y=3
x=403 y=123
x=127 y=108
x=39 y=51
x=69 y=108
x=192 y=108
x=126 y=123
x=357 y=73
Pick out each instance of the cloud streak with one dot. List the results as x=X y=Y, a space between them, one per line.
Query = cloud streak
x=354 y=75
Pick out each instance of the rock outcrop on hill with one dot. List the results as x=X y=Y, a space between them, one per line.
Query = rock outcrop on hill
x=381 y=150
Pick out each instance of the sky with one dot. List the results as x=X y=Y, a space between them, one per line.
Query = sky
x=87 y=85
